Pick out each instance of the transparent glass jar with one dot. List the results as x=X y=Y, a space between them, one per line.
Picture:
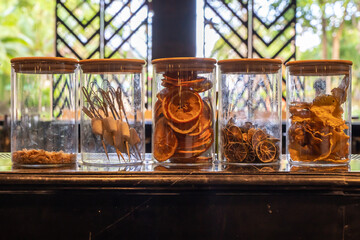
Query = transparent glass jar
x=318 y=106
x=183 y=110
x=44 y=130
x=250 y=111
x=112 y=118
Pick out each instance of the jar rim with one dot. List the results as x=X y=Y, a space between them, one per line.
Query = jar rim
x=250 y=65
x=250 y=60
x=204 y=65
x=44 y=65
x=320 y=62
x=44 y=59
x=113 y=60
x=112 y=65
x=319 y=67
x=184 y=60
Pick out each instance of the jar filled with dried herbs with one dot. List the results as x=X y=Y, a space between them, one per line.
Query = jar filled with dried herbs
x=249 y=116
x=112 y=111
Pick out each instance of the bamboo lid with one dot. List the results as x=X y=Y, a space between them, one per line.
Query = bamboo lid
x=250 y=65
x=44 y=65
x=184 y=64
x=112 y=65
x=319 y=67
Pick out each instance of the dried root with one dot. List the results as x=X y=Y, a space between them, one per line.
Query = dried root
x=106 y=110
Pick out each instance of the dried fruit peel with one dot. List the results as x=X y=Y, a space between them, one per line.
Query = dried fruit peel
x=317 y=128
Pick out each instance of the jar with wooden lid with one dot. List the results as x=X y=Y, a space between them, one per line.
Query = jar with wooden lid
x=318 y=110
x=112 y=126
x=183 y=110
x=44 y=129
x=249 y=115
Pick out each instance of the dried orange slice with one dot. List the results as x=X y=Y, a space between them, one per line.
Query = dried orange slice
x=236 y=152
x=158 y=109
x=184 y=83
x=266 y=151
x=184 y=106
x=161 y=95
x=193 y=143
x=194 y=152
x=251 y=133
x=167 y=85
x=184 y=128
x=251 y=156
x=245 y=137
x=165 y=141
x=204 y=120
x=224 y=137
x=258 y=136
x=202 y=86
x=235 y=134
x=165 y=104
x=189 y=153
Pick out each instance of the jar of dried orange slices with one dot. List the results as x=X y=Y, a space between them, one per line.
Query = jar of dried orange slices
x=318 y=111
x=249 y=119
x=183 y=110
x=44 y=129
x=112 y=111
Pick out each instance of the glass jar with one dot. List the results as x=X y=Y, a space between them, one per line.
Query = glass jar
x=250 y=111
x=318 y=110
x=183 y=110
x=44 y=129
x=112 y=111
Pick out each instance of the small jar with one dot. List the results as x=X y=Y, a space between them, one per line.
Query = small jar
x=44 y=130
x=318 y=110
x=250 y=111
x=183 y=110
x=112 y=111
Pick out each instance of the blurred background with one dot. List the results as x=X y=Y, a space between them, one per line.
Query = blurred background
x=145 y=29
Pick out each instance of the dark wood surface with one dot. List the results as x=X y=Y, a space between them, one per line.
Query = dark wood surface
x=175 y=202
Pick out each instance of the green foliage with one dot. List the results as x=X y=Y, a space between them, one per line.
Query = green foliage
x=26 y=29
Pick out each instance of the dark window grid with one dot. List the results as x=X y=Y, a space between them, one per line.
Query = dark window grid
x=256 y=42
x=95 y=44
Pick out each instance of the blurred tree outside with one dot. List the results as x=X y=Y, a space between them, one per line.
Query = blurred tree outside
x=27 y=28
x=332 y=31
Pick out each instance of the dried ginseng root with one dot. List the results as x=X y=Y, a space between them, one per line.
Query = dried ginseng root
x=248 y=144
x=183 y=119
x=109 y=121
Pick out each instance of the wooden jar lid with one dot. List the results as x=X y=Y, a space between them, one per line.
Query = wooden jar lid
x=319 y=67
x=44 y=65
x=184 y=64
x=250 y=65
x=112 y=65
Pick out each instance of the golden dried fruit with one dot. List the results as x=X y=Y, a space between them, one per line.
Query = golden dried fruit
x=165 y=141
x=184 y=106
